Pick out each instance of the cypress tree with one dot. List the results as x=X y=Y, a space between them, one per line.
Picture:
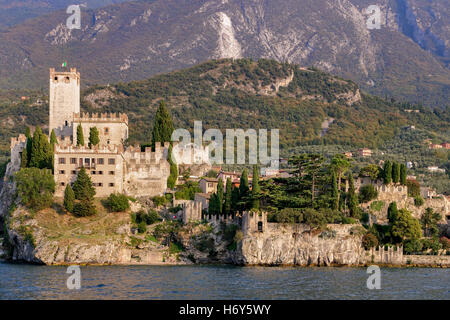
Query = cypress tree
x=82 y=187
x=387 y=172
x=41 y=151
x=243 y=190
x=69 y=197
x=163 y=126
x=220 y=196
x=172 y=179
x=53 y=139
x=93 y=137
x=228 y=197
x=213 y=205
x=235 y=200
x=392 y=212
x=80 y=135
x=395 y=172
x=255 y=188
x=352 y=197
x=334 y=191
x=403 y=174
x=29 y=145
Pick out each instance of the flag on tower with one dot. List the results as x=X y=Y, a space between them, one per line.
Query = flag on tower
x=64 y=64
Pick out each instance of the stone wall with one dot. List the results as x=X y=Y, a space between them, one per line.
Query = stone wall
x=283 y=244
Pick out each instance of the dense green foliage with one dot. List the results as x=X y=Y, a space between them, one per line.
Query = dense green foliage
x=117 y=202
x=35 y=187
x=94 y=138
x=82 y=187
x=163 y=126
x=69 y=198
x=367 y=193
x=80 y=135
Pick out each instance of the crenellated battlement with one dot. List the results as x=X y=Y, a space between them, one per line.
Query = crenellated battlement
x=135 y=157
x=16 y=141
x=99 y=149
x=103 y=117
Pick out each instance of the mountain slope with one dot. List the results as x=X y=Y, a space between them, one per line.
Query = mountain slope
x=134 y=40
x=247 y=94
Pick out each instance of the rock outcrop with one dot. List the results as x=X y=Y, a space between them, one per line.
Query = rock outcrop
x=295 y=245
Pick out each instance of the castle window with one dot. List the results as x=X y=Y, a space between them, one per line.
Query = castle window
x=73 y=160
x=87 y=161
x=56 y=78
x=74 y=172
x=260 y=226
x=106 y=131
x=100 y=172
x=67 y=80
x=94 y=172
x=111 y=161
x=66 y=123
x=111 y=184
x=101 y=161
x=111 y=173
x=63 y=184
x=62 y=160
x=62 y=171
x=108 y=142
x=100 y=184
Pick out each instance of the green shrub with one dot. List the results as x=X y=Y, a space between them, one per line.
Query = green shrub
x=159 y=201
x=117 y=202
x=367 y=193
x=69 y=198
x=288 y=215
x=445 y=242
x=369 y=241
x=35 y=187
x=175 y=247
x=153 y=217
x=84 y=208
x=142 y=227
x=418 y=201
x=412 y=246
x=377 y=205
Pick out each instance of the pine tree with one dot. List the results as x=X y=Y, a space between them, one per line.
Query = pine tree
x=387 y=172
x=69 y=198
x=352 y=198
x=82 y=187
x=403 y=174
x=93 y=137
x=228 y=197
x=334 y=191
x=53 y=139
x=80 y=135
x=255 y=189
x=163 y=126
x=395 y=172
x=243 y=190
x=339 y=164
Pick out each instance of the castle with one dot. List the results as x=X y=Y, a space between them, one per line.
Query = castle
x=112 y=166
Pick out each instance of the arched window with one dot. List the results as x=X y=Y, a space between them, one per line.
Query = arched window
x=260 y=226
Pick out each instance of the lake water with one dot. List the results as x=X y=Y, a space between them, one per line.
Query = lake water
x=20 y=281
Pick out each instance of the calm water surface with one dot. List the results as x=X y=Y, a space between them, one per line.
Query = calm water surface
x=19 y=281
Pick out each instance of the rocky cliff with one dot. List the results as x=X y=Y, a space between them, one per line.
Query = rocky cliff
x=296 y=245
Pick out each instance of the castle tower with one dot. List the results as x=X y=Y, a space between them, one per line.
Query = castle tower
x=64 y=101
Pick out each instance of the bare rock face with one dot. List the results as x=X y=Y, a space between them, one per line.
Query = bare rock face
x=295 y=245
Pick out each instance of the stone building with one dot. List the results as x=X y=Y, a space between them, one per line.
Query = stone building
x=111 y=166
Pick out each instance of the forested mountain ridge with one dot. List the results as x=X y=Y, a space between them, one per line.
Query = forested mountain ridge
x=406 y=58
